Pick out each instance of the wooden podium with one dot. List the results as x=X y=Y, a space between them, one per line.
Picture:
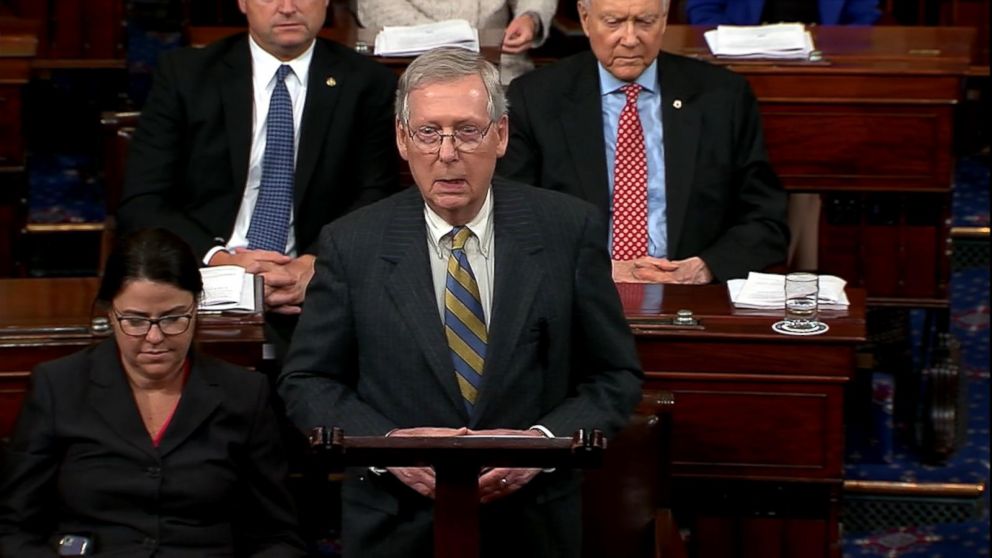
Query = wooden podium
x=457 y=461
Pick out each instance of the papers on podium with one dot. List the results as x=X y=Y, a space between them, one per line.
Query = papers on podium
x=412 y=40
x=767 y=291
x=788 y=41
x=229 y=288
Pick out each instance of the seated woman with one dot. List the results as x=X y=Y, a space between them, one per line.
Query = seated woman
x=526 y=23
x=140 y=445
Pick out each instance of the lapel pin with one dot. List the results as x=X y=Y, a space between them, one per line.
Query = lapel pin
x=331 y=82
x=677 y=103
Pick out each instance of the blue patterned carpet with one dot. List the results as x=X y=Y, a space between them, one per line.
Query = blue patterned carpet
x=970 y=463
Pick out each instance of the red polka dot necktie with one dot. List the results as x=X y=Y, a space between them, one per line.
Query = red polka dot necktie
x=630 y=183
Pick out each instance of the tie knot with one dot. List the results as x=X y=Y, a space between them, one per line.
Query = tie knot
x=631 y=90
x=459 y=236
x=282 y=72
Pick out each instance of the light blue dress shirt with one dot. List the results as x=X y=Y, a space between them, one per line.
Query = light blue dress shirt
x=649 y=109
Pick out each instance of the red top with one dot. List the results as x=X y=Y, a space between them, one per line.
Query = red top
x=157 y=438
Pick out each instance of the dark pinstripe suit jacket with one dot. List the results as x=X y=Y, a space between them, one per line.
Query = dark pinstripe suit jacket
x=370 y=355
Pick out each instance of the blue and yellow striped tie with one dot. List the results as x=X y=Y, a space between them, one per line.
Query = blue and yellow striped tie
x=464 y=321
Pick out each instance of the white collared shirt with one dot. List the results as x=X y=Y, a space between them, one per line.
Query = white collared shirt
x=264 y=67
x=478 y=248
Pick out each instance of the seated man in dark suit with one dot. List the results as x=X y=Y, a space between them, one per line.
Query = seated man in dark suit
x=467 y=305
x=670 y=148
x=247 y=147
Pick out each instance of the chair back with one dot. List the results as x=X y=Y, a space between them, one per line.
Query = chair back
x=621 y=498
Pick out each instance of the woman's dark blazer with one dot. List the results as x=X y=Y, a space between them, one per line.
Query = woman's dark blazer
x=81 y=462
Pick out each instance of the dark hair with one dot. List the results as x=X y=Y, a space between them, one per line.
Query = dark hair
x=153 y=254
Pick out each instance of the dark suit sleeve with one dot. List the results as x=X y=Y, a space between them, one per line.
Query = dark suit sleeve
x=522 y=161
x=757 y=235
x=321 y=371
x=155 y=163
x=606 y=367
x=376 y=135
x=267 y=525
x=27 y=483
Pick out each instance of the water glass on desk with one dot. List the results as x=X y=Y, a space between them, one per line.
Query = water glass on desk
x=801 y=293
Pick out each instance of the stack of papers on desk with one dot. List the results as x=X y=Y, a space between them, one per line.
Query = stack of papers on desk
x=789 y=41
x=228 y=288
x=767 y=291
x=412 y=40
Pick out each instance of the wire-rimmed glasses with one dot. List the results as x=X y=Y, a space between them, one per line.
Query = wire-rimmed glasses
x=465 y=138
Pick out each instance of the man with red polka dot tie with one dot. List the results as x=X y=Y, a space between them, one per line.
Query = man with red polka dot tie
x=670 y=148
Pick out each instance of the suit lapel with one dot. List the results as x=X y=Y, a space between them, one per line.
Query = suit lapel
x=518 y=274
x=237 y=101
x=682 y=128
x=200 y=398
x=317 y=114
x=111 y=398
x=412 y=289
x=582 y=124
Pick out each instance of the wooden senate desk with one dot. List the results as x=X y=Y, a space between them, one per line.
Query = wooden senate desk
x=758 y=427
x=43 y=319
x=870 y=127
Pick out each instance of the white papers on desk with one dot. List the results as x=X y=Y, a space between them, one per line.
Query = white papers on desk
x=227 y=288
x=780 y=41
x=767 y=291
x=412 y=40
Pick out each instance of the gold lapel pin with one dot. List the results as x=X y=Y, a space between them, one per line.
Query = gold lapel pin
x=677 y=103
x=331 y=82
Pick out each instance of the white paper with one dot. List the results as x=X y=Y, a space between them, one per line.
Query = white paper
x=227 y=287
x=412 y=40
x=767 y=291
x=779 y=41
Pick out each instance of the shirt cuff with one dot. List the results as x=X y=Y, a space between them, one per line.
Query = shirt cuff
x=547 y=433
x=211 y=252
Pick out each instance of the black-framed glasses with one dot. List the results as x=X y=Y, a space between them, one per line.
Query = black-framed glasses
x=139 y=326
x=466 y=138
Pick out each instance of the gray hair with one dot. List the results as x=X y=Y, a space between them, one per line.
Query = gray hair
x=664 y=4
x=448 y=64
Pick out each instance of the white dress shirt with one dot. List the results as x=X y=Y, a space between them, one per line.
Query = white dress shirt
x=264 y=67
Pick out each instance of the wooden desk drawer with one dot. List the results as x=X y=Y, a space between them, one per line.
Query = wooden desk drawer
x=753 y=429
x=860 y=147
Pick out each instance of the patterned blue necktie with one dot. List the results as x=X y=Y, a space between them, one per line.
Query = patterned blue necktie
x=464 y=322
x=269 y=226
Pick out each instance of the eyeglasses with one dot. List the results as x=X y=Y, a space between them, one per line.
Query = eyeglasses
x=137 y=326
x=466 y=139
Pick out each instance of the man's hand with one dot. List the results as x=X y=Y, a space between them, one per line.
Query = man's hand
x=286 y=284
x=244 y=257
x=421 y=479
x=691 y=271
x=501 y=482
x=643 y=270
x=519 y=35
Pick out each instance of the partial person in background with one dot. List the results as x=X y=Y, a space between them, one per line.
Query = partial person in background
x=140 y=445
x=670 y=149
x=248 y=146
x=803 y=209
x=754 y=12
x=527 y=22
